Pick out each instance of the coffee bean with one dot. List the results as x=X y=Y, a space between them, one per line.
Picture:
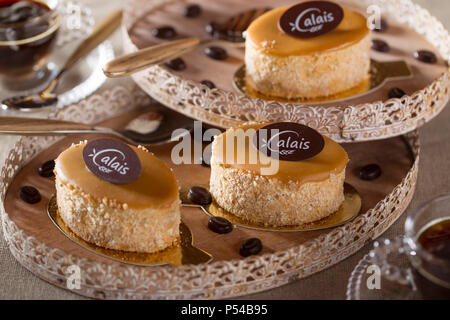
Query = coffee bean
x=177 y=64
x=380 y=45
x=220 y=225
x=199 y=195
x=193 y=11
x=208 y=83
x=212 y=27
x=165 y=32
x=250 y=247
x=396 y=93
x=46 y=169
x=383 y=26
x=370 y=172
x=425 y=56
x=29 y=194
x=216 y=53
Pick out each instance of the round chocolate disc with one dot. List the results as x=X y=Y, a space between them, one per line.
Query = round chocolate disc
x=311 y=19
x=112 y=160
x=288 y=141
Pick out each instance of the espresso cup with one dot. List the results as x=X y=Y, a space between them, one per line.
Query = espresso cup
x=26 y=43
x=429 y=272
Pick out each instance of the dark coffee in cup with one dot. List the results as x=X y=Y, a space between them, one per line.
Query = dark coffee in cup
x=432 y=277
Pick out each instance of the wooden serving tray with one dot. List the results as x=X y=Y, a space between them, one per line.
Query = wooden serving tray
x=44 y=249
x=364 y=117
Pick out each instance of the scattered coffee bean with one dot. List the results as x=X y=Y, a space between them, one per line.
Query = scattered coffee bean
x=382 y=27
x=165 y=32
x=380 y=45
x=212 y=27
x=425 y=56
x=396 y=93
x=29 y=194
x=370 y=172
x=216 y=53
x=208 y=83
x=250 y=247
x=199 y=195
x=177 y=64
x=220 y=225
x=193 y=11
x=46 y=169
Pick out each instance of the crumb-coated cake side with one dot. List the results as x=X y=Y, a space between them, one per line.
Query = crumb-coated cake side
x=280 y=65
x=299 y=192
x=141 y=216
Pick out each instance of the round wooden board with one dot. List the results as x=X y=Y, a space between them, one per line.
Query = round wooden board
x=365 y=117
x=403 y=41
x=393 y=155
x=39 y=246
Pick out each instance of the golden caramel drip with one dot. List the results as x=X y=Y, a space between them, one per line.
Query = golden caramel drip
x=332 y=159
x=156 y=186
x=265 y=35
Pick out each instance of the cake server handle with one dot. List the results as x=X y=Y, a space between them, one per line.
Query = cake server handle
x=47 y=127
x=145 y=58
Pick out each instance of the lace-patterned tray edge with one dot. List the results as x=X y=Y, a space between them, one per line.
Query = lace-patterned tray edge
x=363 y=122
x=221 y=279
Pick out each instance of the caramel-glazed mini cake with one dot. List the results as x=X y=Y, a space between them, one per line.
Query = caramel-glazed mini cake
x=141 y=216
x=299 y=192
x=280 y=65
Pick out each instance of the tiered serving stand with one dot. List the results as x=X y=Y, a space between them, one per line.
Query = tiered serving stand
x=45 y=251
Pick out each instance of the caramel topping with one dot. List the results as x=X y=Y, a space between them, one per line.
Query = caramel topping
x=265 y=35
x=155 y=187
x=331 y=160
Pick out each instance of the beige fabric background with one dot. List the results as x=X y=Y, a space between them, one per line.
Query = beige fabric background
x=18 y=283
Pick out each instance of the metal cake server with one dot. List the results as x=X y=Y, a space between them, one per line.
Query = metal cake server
x=161 y=122
x=229 y=33
x=46 y=97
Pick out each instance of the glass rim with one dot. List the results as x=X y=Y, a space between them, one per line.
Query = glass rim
x=55 y=17
x=411 y=237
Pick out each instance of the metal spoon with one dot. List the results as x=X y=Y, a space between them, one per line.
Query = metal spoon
x=229 y=33
x=168 y=121
x=46 y=97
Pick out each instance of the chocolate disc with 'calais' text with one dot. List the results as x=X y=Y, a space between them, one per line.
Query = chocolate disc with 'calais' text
x=288 y=141
x=311 y=19
x=112 y=160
